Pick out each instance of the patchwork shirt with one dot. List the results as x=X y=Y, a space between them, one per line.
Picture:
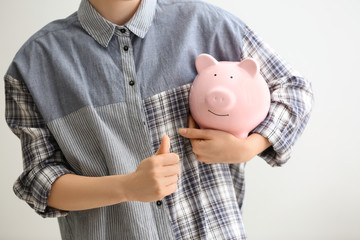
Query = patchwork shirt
x=88 y=97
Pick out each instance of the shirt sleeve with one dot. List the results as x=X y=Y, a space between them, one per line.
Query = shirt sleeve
x=291 y=100
x=43 y=161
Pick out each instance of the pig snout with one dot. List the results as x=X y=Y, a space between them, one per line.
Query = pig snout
x=220 y=99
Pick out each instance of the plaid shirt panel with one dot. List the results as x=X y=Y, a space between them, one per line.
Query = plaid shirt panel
x=209 y=196
x=43 y=161
x=291 y=100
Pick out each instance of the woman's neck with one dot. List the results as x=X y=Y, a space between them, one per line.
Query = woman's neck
x=116 y=11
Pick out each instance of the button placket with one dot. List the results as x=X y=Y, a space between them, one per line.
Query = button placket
x=138 y=124
x=134 y=103
x=125 y=45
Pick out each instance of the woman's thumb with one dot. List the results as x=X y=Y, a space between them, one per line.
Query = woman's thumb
x=164 y=145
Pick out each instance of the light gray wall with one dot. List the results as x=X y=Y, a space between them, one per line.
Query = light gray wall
x=316 y=195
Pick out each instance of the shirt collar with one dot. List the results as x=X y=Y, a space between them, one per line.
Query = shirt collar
x=102 y=30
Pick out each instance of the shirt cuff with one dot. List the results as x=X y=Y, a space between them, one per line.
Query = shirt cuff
x=280 y=150
x=36 y=186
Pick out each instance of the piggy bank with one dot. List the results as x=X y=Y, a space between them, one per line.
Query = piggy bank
x=228 y=96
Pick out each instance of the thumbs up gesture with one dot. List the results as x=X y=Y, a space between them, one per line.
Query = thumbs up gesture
x=155 y=177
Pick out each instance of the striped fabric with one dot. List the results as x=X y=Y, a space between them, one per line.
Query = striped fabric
x=102 y=30
x=88 y=97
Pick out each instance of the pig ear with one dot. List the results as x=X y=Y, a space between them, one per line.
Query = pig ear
x=203 y=61
x=250 y=65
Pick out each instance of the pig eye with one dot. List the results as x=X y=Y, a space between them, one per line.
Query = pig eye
x=215 y=74
x=231 y=76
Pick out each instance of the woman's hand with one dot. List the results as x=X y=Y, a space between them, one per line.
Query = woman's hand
x=214 y=146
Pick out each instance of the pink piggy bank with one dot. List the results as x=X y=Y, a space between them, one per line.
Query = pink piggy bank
x=229 y=96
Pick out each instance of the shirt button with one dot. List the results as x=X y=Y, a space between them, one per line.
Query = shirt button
x=159 y=203
x=126 y=48
x=123 y=30
x=132 y=83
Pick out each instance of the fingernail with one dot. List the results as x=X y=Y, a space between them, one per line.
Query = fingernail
x=182 y=130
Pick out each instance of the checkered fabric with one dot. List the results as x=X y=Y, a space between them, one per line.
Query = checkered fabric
x=43 y=160
x=205 y=205
x=291 y=99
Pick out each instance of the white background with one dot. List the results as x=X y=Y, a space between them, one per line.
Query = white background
x=316 y=195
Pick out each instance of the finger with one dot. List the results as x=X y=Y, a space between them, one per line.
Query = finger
x=171 y=189
x=164 y=145
x=171 y=170
x=171 y=180
x=195 y=133
x=169 y=159
x=204 y=160
x=191 y=122
x=200 y=159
